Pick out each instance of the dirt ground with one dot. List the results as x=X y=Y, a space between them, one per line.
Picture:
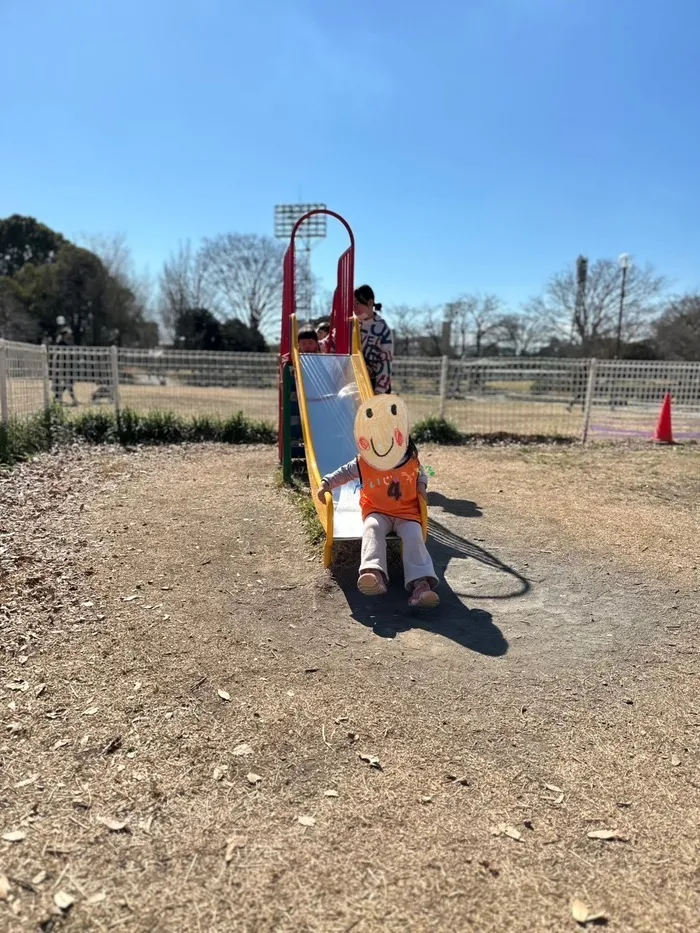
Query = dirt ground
x=204 y=731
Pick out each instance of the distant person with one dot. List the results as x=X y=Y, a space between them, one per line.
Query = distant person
x=377 y=342
x=324 y=336
x=308 y=341
x=63 y=379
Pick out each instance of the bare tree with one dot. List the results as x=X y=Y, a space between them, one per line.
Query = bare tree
x=245 y=274
x=522 y=332
x=473 y=319
x=591 y=319
x=405 y=323
x=322 y=305
x=677 y=332
x=183 y=286
x=117 y=258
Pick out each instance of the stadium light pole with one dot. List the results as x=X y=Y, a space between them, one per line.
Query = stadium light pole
x=315 y=228
x=625 y=262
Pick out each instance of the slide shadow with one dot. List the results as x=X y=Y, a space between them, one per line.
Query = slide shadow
x=445 y=544
x=390 y=615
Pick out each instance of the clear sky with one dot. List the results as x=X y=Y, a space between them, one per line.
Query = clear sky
x=472 y=144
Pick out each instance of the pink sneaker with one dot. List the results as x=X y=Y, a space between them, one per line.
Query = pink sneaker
x=371 y=583
x=423 y=596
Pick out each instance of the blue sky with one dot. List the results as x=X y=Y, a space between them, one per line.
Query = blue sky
x=473 y=145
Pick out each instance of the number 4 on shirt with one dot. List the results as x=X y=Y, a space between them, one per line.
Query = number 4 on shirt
x=394 y=491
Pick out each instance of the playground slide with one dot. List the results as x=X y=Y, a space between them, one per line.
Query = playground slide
x=330 y=388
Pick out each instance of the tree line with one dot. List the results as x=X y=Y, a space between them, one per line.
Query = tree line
x=226 y=294
x=575 y=316
x=219 y=297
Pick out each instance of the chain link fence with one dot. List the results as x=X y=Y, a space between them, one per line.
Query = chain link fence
x=24 y=380
x=575 y=399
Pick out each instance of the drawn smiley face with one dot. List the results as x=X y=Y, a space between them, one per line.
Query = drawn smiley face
x=381 y=431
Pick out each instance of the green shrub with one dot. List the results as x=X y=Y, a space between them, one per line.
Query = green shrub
x=95 y=427
x=206 y=428
x=161 y=427
x=434 y=430
x=22 y=439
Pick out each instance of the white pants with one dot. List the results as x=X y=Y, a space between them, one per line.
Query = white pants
x=416 y=560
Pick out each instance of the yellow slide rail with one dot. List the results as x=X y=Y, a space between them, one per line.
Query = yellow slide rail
x=325 y=509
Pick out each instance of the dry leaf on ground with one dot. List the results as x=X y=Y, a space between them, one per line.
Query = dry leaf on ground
x=242 y=749
x=253 y=778
x=96 y=898
x=220 y=771
x=503 y=829
x=4 y=887
x=27 y=781
x=224 y=695
x=90 y=711
x=371 y=760
x=20 y=685
x=116 y=826
x=607 y=835
x=554 y=789
x=331 y=793
x=14 y=835
x=582 y=915
x=306 y=820
x=235 y=842
x=675 y=761
x=63 y=900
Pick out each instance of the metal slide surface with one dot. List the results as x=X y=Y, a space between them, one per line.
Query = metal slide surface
x=332 y=399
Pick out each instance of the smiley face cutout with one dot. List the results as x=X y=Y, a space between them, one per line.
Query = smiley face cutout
x=381 y=431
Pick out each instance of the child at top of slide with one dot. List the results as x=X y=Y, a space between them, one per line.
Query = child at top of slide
x=307 y=339
x=323 y=331
x=392 y=480
x=377 y=342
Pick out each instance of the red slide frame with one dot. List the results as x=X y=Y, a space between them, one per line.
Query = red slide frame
x=341 y=313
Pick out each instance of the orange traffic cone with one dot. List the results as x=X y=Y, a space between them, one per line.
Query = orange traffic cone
x=664 y=428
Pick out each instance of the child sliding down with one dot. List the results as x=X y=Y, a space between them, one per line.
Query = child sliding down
x=392 y=480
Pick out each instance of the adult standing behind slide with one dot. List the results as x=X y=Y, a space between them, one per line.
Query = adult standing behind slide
x=377 y=342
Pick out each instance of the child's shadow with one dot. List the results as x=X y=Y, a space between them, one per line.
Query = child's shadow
x=390 y=615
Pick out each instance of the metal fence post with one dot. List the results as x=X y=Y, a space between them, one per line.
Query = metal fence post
x=443 y=384
x=4 y=408
x=590 y=389
x=114 y=360
x=46 y=378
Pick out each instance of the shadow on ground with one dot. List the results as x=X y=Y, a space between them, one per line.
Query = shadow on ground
x=463 y=508
x=390 y=615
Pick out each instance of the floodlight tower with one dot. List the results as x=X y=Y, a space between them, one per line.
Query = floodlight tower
x=315 y=228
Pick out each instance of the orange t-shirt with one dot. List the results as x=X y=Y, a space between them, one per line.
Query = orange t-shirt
x=390 y=492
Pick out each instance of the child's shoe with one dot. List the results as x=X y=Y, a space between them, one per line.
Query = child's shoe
x=371 y=583
x=423 y=596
